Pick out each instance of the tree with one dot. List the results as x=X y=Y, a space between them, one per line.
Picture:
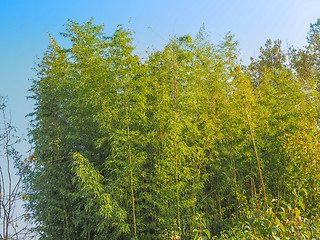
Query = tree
x=14 y=223
x=132 y=149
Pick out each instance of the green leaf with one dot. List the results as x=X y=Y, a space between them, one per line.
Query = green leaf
x=207 y=232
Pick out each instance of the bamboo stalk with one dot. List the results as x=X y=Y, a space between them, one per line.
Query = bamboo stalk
x=175 y=142
x=259 y=167
x=131 y=176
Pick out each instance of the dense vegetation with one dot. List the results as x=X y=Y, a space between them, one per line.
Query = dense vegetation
x=185 y=144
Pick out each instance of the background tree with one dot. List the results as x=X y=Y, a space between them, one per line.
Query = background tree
x=14 y=222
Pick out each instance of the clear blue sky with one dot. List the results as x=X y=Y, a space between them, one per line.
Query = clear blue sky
x=24 y=25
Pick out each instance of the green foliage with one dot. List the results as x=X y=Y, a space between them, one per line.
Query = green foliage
x=91 y=185
x=181 y=145
x=280 y=221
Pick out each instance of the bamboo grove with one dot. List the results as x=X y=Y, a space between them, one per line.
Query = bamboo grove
x=185 y=139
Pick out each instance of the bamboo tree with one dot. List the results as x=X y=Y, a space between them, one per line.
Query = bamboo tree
x=154 y=149
x=60 y=97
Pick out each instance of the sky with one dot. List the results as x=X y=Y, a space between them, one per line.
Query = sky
x=25 y=25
